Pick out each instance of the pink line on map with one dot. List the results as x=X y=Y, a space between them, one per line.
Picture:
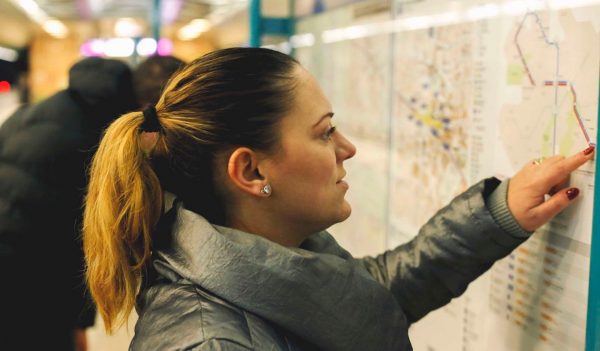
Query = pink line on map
x=521 y=52
x=552 y=83
x=564 y=83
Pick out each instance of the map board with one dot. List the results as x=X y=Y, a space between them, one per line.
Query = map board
x=437 y=95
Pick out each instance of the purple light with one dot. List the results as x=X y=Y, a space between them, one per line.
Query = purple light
x=100 y=47
x=170 y=10
x=165 y=47
x=86 y=49
x=94 y=47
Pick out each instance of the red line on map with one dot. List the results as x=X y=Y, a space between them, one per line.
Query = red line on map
x=587 y=137
x=560 y=83
x=521 y=52
x=553 y=83
x=564 y=83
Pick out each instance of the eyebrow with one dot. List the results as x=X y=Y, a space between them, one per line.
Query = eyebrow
x=328 y=114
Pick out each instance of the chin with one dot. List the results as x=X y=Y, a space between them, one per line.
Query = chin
x=345 y=212
x=340 y=215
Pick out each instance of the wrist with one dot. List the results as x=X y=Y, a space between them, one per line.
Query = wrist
x=497 y=204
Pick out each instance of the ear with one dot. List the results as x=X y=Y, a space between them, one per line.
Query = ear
x=243 y=171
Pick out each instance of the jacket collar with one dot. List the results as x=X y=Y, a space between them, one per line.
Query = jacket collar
x=318 y=292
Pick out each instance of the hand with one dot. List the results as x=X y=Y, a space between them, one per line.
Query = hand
x=528 y=187
x=80 y=339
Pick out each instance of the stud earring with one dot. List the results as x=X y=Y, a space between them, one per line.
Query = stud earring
x=266 y=190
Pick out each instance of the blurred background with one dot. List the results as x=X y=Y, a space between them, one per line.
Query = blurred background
x=41 y=39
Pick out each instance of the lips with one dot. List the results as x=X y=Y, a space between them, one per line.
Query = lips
x=342 y=184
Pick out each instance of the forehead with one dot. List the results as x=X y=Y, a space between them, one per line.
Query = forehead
x=310 y=101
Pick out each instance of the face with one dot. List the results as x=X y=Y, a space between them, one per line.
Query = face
x=307 y=173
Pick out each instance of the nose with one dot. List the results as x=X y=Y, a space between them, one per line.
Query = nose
x=345 y=149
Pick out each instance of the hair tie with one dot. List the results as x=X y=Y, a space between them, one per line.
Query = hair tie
x=151 y=123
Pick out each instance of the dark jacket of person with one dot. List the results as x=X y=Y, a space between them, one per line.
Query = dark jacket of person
x=44 y=152
x=214 y=288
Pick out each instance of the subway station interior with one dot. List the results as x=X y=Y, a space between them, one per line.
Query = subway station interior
x=433 y=100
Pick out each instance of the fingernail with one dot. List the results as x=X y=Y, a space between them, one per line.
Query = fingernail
x=572 y=193
x=589 y=150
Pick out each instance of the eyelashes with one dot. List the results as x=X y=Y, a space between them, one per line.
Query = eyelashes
x=330 y=132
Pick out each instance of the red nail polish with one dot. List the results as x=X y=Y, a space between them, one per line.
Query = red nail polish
x=589 y=150
x=572 y=193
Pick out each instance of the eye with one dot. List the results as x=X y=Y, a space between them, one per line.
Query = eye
x=329 y=132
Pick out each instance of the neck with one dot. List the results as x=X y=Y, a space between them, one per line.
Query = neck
x=254 y=220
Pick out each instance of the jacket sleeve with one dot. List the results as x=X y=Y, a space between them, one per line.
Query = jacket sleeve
x=458 y=244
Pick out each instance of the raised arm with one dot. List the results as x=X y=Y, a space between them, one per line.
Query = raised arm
x=478 y=227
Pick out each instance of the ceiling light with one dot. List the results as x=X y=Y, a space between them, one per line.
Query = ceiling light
x=119 y=47
x=146 y=47
x=7 y=54
x=127 y=27
x=93 y=47
x=51 y=25
x=55 y=28
x=193 y=29
x=169 y=10
x=165 y=47
x=32 y=9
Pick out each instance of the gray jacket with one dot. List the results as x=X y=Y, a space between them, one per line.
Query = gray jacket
x=216 y=288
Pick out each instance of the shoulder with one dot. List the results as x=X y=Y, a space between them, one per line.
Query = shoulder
x=43 y=136
x=323 y=242
x=183 y=316
x=51 y=124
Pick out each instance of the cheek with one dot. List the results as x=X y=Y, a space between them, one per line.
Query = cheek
x=315 y=169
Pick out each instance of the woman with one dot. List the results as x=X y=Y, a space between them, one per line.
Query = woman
x=243 y=140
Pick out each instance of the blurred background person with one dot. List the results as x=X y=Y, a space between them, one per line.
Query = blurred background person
x=150 y=77
x=44 y=152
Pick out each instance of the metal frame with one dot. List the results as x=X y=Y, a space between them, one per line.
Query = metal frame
x=592 y=335
x=261 y=26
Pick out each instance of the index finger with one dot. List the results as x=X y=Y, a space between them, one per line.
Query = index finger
x=563 y=168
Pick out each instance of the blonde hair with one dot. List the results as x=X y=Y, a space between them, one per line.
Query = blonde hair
x=123 y=204
x=225 y=98
x=122 y=207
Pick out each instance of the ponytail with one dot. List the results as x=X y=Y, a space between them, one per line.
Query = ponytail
x=123 y=204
